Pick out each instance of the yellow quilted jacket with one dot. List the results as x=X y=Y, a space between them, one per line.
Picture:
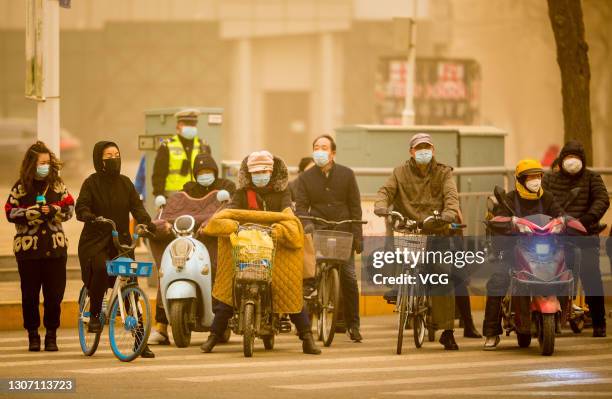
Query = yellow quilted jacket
x=288 y=261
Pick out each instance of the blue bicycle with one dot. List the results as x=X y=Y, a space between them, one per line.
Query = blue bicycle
x=129 y=314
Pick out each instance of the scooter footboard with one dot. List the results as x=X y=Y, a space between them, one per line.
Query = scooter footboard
x=560 y=288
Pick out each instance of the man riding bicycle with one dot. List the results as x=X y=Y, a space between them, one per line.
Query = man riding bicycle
x=330 y=191
x=417 y=189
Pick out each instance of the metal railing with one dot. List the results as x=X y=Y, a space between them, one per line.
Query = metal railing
x=473 y=204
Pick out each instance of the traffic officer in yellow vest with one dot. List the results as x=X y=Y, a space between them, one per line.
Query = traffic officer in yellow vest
x=174 y=159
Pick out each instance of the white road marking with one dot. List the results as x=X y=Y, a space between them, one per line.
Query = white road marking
x=414 y=367
x=511 y=389
x=437 y=379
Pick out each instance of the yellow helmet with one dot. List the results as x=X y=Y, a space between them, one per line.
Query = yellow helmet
x=528 y=167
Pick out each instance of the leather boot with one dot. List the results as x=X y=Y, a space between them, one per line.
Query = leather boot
x=210 y=343
x=34 y=341
x=465 y=311
x=51 y=341
x=308 y=344
x=448 y=340
x=147 y=353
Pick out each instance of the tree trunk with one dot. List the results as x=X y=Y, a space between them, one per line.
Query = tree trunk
x=568 y=28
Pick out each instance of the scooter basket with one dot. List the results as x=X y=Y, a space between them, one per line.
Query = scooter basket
x=333 y=245
x=253 y=255
x=128 y=267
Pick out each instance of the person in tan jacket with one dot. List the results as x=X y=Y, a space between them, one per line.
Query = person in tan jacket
x=416 y=189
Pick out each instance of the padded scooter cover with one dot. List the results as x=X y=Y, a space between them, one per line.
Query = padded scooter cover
x=288 y=262
x=202 y=209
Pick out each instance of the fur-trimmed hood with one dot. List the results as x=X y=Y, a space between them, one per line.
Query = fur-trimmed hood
x=278 y=181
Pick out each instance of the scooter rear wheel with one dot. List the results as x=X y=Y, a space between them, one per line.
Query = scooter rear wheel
x=524 y=340
x=268 y=341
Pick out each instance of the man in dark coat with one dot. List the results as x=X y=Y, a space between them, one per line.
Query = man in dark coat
x=109 y=194
x=589 y=207
x=330 y=191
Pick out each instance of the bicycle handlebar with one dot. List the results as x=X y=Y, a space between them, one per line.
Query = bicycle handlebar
x=140 y=230
x=412 y=225
x=331 y=222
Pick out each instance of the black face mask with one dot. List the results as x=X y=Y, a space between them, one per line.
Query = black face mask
x=112 y=166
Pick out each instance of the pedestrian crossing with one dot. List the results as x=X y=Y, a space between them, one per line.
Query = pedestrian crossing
x=581 y=366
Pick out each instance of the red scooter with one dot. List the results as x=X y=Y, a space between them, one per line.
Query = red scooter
x=539 y=276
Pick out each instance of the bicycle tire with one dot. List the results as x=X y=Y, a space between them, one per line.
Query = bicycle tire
x=403 y=317
x=88 y=341
x=248 y=337
x=418 y=320
x=330 y=302
x=137 y=323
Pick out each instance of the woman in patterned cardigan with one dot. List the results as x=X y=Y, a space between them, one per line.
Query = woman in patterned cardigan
x=38 y=204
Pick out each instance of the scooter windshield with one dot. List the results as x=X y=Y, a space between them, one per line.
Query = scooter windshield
x=539 y=219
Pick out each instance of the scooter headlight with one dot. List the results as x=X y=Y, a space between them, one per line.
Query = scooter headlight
x=180 y=252
x=542 y=249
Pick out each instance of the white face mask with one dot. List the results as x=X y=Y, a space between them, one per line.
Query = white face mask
x=189 y=132
x=534 y=185
x=572 y=165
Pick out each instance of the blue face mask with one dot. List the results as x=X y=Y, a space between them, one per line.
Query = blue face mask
x=189 y=132
x=42 y=171
x=423 y=157
x=206 y=179
x=260 y=179
x=321 y=158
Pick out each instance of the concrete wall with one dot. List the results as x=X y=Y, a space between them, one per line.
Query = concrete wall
x=109 y=77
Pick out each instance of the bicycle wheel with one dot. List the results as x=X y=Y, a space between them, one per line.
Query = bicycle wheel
x=248 y=337
x=419 y=311
x=89 y=341
x=403 y=317
x=330 y=300
x=128 y=335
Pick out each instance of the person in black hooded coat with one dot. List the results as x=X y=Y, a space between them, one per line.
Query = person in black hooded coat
x=109 y=194
x=206 y=175
x=589 y=207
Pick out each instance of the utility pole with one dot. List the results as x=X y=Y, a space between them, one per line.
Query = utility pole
x=408 y=112
x=42 y=63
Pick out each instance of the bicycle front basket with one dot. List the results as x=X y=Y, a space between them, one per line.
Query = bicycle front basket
x=411 y=242
x=333 y=245
x=128 y=267
x=253 y=252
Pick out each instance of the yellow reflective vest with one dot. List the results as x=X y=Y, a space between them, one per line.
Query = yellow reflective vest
x=177 y=155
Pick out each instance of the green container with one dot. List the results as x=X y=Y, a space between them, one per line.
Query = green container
x=160 y=124
x=380 y=146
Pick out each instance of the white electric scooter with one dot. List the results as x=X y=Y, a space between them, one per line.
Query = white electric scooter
x=186 y=281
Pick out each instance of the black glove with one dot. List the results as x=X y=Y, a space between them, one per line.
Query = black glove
x=380 y=211
x=358 y=245
x=587 y=220
x=151 y=227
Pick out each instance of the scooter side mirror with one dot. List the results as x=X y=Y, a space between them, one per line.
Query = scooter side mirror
x=223 y=196
x=500 y=196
